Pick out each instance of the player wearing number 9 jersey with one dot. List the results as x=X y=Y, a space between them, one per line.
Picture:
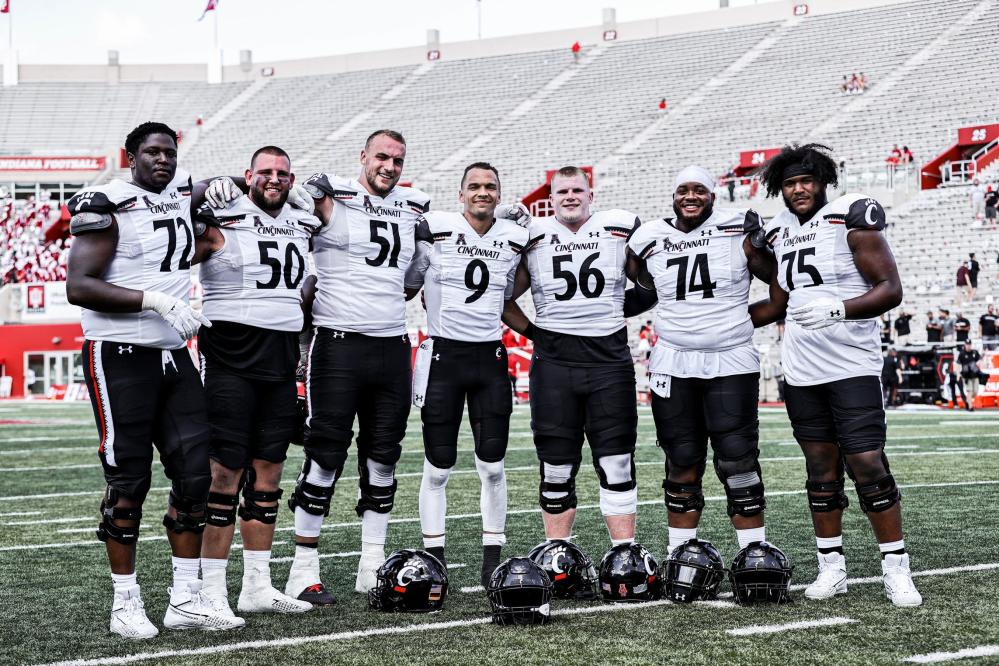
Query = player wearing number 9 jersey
x=129 y=269
x=252 y=258
x=835 y=274
x=704 y=371
x=582 y=377
x=360 y=361
x=465 y=263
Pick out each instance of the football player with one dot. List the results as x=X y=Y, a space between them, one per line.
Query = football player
x=704 y=371
x=835 y=275
x=465 y=263
x=129 y=269
x=253 y=263
x=582 y=378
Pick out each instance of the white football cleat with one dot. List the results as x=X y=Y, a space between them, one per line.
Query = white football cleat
x=897 y=578
x=367 y=573
x=258 y=596
x=831 y=579
x=128 y=616
x=190 y=609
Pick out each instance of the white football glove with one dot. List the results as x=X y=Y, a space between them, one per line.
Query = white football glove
x=185 y=320
x=516 y=212
x=221 y=192
x=819 y=313
x=300 y=198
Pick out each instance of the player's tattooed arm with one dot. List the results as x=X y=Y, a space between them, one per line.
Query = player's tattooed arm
x=759 y=260
x=642 y=296
x=513 y=316
x=417 y=270
x=91 y=255
x=874 y=260
x=772 y=309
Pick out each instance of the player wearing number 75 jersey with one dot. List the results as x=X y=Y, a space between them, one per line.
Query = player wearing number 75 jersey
x=704 y=372
x=465 y=263
x=582 y=377
x=835 y=275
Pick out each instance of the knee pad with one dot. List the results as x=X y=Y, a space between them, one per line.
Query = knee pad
x=313 y=498
x=825 y=497
x=558 y=487
x=490 y=473
x=217 y=517
x=109 y=513
x=682 y=497
x=251 y=510
x=879 y=496
x=443 y=457
x=743 y=484
x=616 y=473
x=491 y=435
x=373 y=492
x=190 y=515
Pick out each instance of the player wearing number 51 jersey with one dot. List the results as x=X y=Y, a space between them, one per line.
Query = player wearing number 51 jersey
x=704 y=371
x=582 y=377
x=835 y=275
x=466 y=263
x=360 y=359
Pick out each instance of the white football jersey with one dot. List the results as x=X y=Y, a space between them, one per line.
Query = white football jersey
x=362 y=255
x=255 y=277
x=814 y=261
x=466 y=277
x=154 y=252
x=578 y=279
x=702 y=280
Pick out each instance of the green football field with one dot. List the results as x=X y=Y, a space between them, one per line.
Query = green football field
x=56 y=591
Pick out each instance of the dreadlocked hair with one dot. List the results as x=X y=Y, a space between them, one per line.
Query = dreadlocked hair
x=814 y=157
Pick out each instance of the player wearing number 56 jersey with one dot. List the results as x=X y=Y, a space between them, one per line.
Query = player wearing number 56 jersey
x=704 y=370
x=360 y=359
x=129 y=269
x=835 y=275
x=252 y=267
x=466 y=263
x=582 y=378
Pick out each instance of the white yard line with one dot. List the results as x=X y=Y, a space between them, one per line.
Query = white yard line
x=47 y=521
x=322 y=556
x=757 y=629
x=967 y=653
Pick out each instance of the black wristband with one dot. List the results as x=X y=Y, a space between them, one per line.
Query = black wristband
x=531 y=332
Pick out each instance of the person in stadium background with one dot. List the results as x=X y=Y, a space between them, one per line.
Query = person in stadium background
x=947 y=321
x=962 y=328
x=252 y=262
x=129 y=269
x=903 y=327
x=963 y=284
x=969 y=361
x=987 y=328
x=974 y=268
x=891 y=377
x=834 y=275
x=977 y=198
x=582 y=377
x=934 y=328
x=465 y=263
x=704 y=373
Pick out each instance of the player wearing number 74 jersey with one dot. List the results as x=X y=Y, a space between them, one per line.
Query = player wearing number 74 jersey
x=835 y=275
x=466 y=263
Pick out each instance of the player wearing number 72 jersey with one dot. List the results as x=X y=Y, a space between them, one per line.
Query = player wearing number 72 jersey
x=835 y=274
x=582 y=377
x=466 y=263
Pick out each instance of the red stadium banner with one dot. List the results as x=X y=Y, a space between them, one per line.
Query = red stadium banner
x=976 y=134
x=756 y=158
x=34 y=163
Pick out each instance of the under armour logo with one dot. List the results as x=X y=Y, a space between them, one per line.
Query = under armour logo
x=124 y=349
x=706 y=232
x=339 y=334
x=834 y=313
x=461 y=240
x=437 y=357
x=554 y=240
x=660 y=384
x=173 y=195
x=594 y=234
x=419 y=398
x=813 y=224
x=497 y=243
x=397 y=204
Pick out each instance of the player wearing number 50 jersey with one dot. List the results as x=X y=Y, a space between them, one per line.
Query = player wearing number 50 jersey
x=252 y=258
x=129 y=269
x=704 y=371
x=582 y=378
x=466 y=263
x=360 y=359
x=835 y=275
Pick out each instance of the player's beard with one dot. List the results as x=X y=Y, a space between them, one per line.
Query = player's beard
x=258 y=196
x=696 y=221
x=820 y=200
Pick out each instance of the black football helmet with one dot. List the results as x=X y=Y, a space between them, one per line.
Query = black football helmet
x=571 y=570
x=761 y=572
x=520 y=592
x=410 y=581
x=692 y=572
x=629 y=573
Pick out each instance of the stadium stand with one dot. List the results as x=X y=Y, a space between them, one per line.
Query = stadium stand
x=25 y=255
